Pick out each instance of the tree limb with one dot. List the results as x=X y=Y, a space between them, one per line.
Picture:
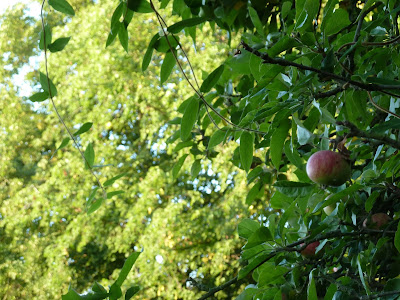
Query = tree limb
x=216 y=289
x=354 y=131
x=292 y=248
x=376 y=296
x=286 y=63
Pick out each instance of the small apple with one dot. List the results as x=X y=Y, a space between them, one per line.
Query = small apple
x=377 y=221
x=329 y=209
x=328 y=167
x=309 y=251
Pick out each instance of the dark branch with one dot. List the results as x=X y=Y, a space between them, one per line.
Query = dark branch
x=285 y=63
x=354 y=131
x=293 y=248
x=216 y=289
x=376 y=296
x=329 y=93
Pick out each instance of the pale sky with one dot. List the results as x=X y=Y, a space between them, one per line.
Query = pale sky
x=7 y=3
x=35 y=7
x=19 y=79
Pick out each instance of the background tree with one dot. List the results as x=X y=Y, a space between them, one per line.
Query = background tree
x=307 y=76
x=48 y=240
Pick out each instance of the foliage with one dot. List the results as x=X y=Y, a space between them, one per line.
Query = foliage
x=307 y=76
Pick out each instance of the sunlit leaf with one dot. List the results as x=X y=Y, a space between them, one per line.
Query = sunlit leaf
x=62 y=6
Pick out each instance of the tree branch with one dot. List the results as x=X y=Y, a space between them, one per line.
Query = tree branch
x=286 y=63
x=216 y=289
x=376 y=296
x=354 y=131
x=292 y=248
x=329 y=93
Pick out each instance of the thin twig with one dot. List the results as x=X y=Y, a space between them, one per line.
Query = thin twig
x=392 y=41
x=354 y=131
x=380 y=107
x=55 y=107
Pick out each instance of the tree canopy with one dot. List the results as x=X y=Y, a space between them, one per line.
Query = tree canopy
x=179 y=150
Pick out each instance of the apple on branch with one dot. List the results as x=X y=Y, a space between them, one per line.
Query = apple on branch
x=328 y=167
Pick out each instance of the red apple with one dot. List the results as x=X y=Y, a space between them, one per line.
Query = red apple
x=377 y=221
x=309 y=251
x=328 y=167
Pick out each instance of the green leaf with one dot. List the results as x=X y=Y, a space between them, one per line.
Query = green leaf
x=269 y=273
x=112 y=180
x=133 y=290
x=178 y=166
x=189 y=118
x=113 y=34
x=303 y=134
x=311 y=289
x=98 y=288
x=306 y=11
x=326 y=115
x=59 y=44
x=277 y=141
x=286 y=8
x=44 y=81
x=252 y=194
x=114 y=193
x=336 y=22
x=247 y=227
x=330 y=292
x=397 y=238
x=182 y=145
x=92 y=194
x=260 y=236
x=84 y=128
x=256 y=20
x=361 y=274
x=47 y=31
x=117 y=15
x=123 y=37
x=293 y=188
x=130 y=261
x=165 y=44
x=89 y=156
x=337 y=196
x=218 y=137
x=252 y=265
x=39 y=97
x=141 y=6
x=115 y=292
x=167 y=66
x=95 y=205
x=196 y=168
x=371 y=200
x=392 y=285
x=280 y=200
x=293 y=155
x=62 y=6
x=212 y=79
x=71 y=295
x=128 y=17
x=149 y=52
x=64 y=143
x=177 y=27
x=246 y=150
